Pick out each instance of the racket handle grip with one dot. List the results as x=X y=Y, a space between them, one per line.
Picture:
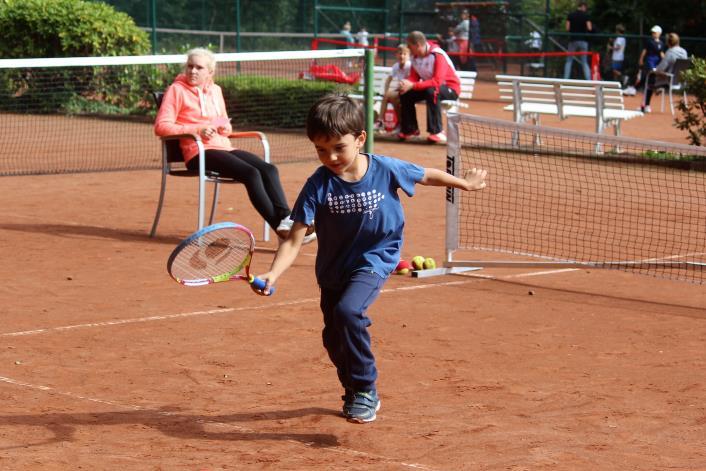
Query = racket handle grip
x=258 y=285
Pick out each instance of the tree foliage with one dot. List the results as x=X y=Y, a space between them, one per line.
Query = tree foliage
x=693 y=110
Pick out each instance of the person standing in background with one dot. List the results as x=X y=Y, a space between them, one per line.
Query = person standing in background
x=448 y=43
x=347 y=35
x=362 y=36
x=474 y=34
x=651 y=54
x=461 y=32
x=534 y=43
x=617 y=50
x=665 y=66
x=578 y=23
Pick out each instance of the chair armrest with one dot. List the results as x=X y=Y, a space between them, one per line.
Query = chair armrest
x=255 y=135
x=174 y=137
x=246 y=134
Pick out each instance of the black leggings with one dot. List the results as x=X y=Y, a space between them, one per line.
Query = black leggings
x=260 y=178
x=652 y=84
x=408 y=122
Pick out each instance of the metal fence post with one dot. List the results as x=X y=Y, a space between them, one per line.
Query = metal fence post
x=369 y=92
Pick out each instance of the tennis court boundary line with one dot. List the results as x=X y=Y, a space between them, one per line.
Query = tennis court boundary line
x=183 y=315
x=137 y=320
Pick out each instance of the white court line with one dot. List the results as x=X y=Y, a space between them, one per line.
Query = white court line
x=519 y=275
x=205 y=313
x=240 y=428
x=137 y=320
x=540 y=273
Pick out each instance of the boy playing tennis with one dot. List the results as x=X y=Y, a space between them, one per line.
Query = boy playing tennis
x=359 y=221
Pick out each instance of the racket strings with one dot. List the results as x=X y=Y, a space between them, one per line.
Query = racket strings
x=217 y=253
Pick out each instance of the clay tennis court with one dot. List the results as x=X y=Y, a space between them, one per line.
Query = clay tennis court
x=105 y=363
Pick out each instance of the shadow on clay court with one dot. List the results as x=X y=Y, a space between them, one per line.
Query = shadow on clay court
x=174 y=424
x=602 y=299
x=98 y=232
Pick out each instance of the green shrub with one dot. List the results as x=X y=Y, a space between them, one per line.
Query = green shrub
x=268 y=102
x=693 y=111
x=67 y=28
x=70 y=28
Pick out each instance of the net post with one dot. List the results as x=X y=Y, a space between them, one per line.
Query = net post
x=557 y=204
x=368 y=91
x=452 y=153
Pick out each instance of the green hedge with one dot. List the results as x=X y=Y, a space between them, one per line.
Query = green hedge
x=268 y=102
x=84 y=90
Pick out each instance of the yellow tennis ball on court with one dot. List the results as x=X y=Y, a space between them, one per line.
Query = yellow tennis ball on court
x=418 y=262
x=429 y=263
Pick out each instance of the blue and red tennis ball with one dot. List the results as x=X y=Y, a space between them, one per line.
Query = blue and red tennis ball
x=403 y=267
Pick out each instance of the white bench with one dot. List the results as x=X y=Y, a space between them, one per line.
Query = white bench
x=380 y=74
x=532 y=97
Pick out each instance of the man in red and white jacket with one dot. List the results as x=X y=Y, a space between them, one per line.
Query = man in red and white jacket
x=432 y=78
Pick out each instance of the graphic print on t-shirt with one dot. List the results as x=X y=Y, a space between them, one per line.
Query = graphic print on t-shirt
x=366 y=202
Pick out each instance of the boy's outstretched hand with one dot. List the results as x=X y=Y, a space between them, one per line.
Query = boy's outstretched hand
x=475 y=178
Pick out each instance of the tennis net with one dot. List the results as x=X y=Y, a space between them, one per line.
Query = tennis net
x=66 y=115
x=558 y=198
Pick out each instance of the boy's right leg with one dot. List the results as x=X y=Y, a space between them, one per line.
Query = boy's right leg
x=330 y=334
x=347 y=342
x=352 y=324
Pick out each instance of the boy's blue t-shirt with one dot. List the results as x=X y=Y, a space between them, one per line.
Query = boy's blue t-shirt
x=358 y=224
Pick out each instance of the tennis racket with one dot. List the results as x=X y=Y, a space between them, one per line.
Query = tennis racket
x=217 y=253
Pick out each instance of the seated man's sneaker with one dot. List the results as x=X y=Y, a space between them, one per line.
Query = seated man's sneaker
x=438 y=138
x=404 y=136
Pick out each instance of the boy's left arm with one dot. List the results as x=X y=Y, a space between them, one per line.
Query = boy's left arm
x=474 y=179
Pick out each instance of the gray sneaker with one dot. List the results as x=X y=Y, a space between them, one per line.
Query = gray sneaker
x=361 y=407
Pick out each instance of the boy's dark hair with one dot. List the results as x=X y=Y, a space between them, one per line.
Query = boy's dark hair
x=335 y=115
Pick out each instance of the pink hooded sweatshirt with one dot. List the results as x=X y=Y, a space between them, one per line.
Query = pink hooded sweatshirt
x=186 y=109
